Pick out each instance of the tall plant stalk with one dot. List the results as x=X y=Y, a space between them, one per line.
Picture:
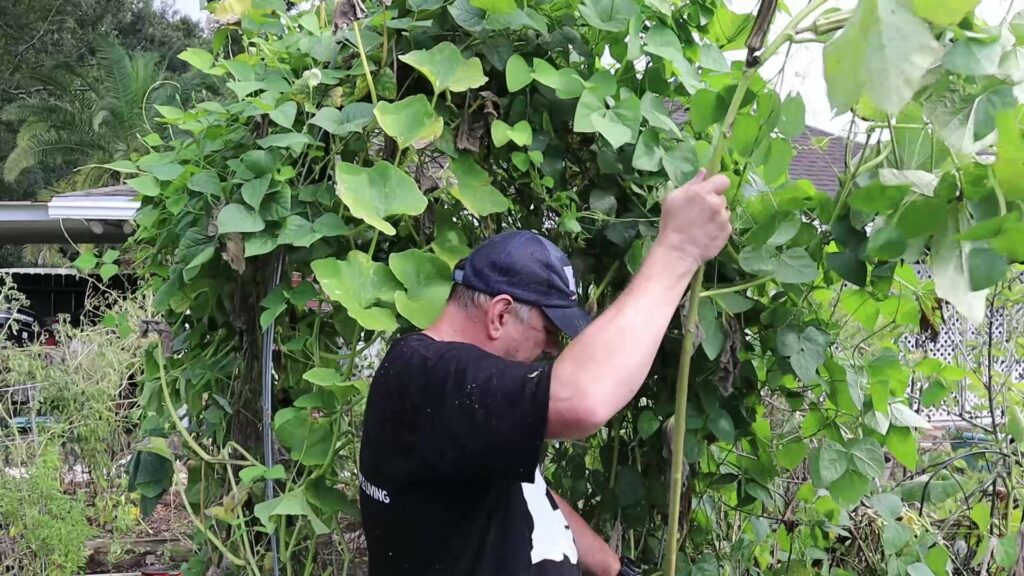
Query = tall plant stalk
x=696 y=283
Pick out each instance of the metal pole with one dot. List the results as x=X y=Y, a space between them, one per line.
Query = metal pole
x=267 y=368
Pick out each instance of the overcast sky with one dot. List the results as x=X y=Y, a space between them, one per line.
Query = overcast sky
x=803 y=72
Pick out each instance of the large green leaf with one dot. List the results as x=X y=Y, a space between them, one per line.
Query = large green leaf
x=608 y=15
x=951 y=278
x=944 y=12
x=965 y=117
x=498 y=6
x=373 y=194
x=517 y=73
x=707 y=108
x=882 y=54
x=849 y=488
x=411 y=122
x=895 y=536
x=473 y=188
x=866 y=456
x=521 y=134
x=205 y=181
x=446 y=68
x=728 y=29
x=792 y=123
x=976 y=57
x=830 y=463
x=805 y=350
x=284 y=115
x=985 y=268
x=307 y=439
x=238 y=218
x=293 y=503
x=1009 y=166
x=1015 y=423
x=662 y=41
x=652 y=107
x=351 y=118
x=796 y=267
x=297 y=231
x=427 y=281
x=294 y=141
x=359 y=284
x=566 y=82
x=888 y=506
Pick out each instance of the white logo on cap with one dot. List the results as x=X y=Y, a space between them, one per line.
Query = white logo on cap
x=572 y=280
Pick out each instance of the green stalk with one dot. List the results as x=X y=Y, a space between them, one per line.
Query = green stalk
x=366 y=65
x=686 y=354
x=696 y=284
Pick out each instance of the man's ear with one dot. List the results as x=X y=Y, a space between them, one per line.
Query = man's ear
x=498 y=313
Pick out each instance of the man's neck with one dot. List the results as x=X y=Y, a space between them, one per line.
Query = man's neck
x=455 y=325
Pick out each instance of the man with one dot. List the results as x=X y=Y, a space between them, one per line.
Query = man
x=457 y=414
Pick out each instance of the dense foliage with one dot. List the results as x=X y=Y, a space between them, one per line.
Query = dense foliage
x=67 y=414
x=361 y=157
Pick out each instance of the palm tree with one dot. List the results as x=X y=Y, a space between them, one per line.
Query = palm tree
x=85 y=117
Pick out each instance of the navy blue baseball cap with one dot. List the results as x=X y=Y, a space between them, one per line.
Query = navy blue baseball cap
x=530 y=269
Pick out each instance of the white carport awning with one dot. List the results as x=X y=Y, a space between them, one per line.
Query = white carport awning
x=101 y=216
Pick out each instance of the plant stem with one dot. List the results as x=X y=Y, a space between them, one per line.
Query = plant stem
x=736 y=287
x=686 y=354
x=366 y=65
x=206 y=532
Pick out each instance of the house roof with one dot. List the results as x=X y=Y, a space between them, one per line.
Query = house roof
x=821 y=158
x=820 y=155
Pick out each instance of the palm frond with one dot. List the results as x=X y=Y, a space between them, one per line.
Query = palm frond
x=47 y=146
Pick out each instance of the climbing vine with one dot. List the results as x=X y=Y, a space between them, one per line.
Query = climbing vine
x=361 y=150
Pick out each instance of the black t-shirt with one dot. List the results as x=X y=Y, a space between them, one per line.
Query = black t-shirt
x=449 y=466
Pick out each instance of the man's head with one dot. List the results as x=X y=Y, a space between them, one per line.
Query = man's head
x=514 y=296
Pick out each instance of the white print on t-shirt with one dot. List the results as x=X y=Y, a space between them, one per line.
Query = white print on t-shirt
x=372 y=491
x=552 y=537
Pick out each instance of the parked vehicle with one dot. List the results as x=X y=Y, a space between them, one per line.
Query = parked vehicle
x=18 y=326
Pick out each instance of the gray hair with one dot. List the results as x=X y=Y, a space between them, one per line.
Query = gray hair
x=469 y=299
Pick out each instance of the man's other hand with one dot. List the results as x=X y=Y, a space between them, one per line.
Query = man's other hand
x=695 y=219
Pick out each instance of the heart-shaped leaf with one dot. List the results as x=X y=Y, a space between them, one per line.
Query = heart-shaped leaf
x=796 y=267
x=238 y=218
x=254 y=190
x=373 y=194
x=662 y=41
x=308 y=440
x=521 y=133
x=297 y=231
x=473 y=188
x=883 y=53
x=360 y=284
x=608 y=15
x=284 y=114
x=205 y=181
x=427 y=281
x=517 y=73
x=411 y=122
x=351 y=118
x=293 y=140
x=145 y=185
x=566 y=82
x=445 y=67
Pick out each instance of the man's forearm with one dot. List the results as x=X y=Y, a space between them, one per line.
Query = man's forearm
x=596 y=557
x=602 y=369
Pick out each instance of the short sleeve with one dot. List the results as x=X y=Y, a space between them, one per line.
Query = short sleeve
x=479 y=415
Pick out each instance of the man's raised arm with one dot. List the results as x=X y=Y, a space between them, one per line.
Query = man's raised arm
x=602 y=368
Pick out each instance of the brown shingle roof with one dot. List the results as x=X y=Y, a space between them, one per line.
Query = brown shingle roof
x=820 y=155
